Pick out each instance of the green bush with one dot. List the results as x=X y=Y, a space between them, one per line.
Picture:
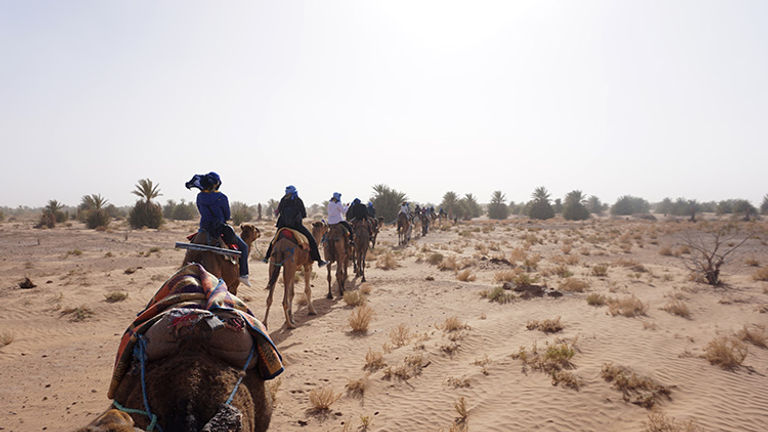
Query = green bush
x=387 y=202
x=240 y=213
x=96 y=218
x=539 y=207
x=497 y=209
x=145 y=214
x=574 y=208
x=763 y=207
x=179 y=211
x=629 y=205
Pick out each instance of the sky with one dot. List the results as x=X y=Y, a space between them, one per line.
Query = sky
x=647 y=98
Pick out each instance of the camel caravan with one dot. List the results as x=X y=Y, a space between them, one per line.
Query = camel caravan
x=197 y=358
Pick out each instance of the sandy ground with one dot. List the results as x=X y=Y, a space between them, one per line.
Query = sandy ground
x=55 y=372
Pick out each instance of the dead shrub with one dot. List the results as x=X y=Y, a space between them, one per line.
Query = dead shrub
x=752 y=262
x=557 y=357
x=77 y=314
x=453 y=324
x=547 y=325
x=448 y=263
x=505 y=276
x=461 y=410
x=498 y=295
x=596 y=300
x=411 y=367
x=374 y=360
x=677 y=307
x=435 y=258
x=628 y=307
x=567 y=379
x=365 y=288
x=466 y=276
x=115 y=296
x=458 y=382
x=356 y=388
x=659 y=422
x=754 y=334
x=761 y=274
x=636 y=389
x=354 y=298
x=728 y=352
x=573 y=285
x=665 y=251
x=400 y=336
x=361 y=318
x=322 y=398
x=387 y=261
x=600 y=270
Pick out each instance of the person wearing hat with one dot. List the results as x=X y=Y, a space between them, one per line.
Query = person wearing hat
x=214 y=214
x=337 y=212
x=289 y=214
x=371 y=210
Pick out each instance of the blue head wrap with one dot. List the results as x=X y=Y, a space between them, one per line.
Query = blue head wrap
x=337 y=196
x=291 y=190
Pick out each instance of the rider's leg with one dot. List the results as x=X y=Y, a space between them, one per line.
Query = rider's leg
x=314 y=253
x=230 y=237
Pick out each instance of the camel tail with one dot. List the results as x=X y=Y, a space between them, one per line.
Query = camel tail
x=274 y=273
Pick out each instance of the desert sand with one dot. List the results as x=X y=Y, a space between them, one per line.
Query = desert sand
x=56 y=368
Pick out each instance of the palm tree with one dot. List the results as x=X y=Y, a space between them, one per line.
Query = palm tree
x=93 y=202
x=450 y=203
x=574 y=208
x=540 y=208
x=145 y=189
x=53 y=207
x=498 y=209
x=540 y=194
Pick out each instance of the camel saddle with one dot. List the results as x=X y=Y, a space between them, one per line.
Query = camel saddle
x=194 y=304
x=292 y=235
x=212 y=241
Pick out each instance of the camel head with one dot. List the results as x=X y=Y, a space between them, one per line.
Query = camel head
x=319 y=228
x=111 y=421
x=249 y=233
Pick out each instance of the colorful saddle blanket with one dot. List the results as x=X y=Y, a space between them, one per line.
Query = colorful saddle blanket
x=292 y=235
x=194 y=288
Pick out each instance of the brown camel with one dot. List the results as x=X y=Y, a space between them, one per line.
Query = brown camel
x=362 y=237
x=335 y=240
x=403 y=229
x=376 y=227
x=221 y=266
x=187 y=392
x=287 y=253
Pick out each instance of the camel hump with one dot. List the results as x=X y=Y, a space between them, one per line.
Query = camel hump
x=292 y=235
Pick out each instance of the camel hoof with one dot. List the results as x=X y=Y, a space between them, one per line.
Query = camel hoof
x=312 y=312
x=363 y=279
x=329 y=296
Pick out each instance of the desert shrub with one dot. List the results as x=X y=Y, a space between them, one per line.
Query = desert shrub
x=574 y=208
x=665 y=251
x=752 y=262
x=357 y=387
x=505 y=276
x=77 y=314
x=461 y=410
x=361 y=318
x=115 y=296
x=596 y=300
x=387 y=261
x=374 y=360
x=753 y=334
x=412 y=366
x=547 y=325
x=573 y=285
x=728 y=352
x=600 y=270
x=628 y=307
x=540 y=207
x=241 y=213
x=400 y=336
x=659 y=422
x=712 y=248
x=636 y=389
x=557 y=357
x=179 y=211
x=677 y=307
x=354 y=298
x=498 y=295
x=466 y=276
x=435 y=258
x=761 y=274
x=629 y=205
x=322 y=398
x=453 y=324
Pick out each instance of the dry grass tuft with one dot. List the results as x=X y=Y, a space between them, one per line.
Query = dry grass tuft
x=466 y=276
x=728 y=352
x=600 y=270
x=453 y=324
x=761 y=274
x=448 y=263
x=755 y=335
x=628 y=307
x=400 y=336
x=498 y=295
x=78 y=314
x=458 y=382
x=361 y=318
x=677 y=307
x=6 y=337
x=547 y=326
x=354 y=298
x=387 y=261
x=636 y=389
x=322 y=398
x=505 y=276
x=374 y=360
x=596 y=300
x=461 y=410
x=557 y=357
x=411 y=367
x=752 y=262
x=573 y=285
x=356 y=388
x=659 y=422
x=435 y=258
x=567 y=379
x=365 y=288
x=665 y=251
x=115 y=296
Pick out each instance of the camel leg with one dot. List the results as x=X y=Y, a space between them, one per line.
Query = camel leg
x=274 y=271
x=329 y=296
x=362 y=266
x=288 y=296
x=341 y=276
x=308 y=289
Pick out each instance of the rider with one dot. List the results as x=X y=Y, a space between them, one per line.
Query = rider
x=214 y=214
x=404 y=209
x=358 y=211
x=371 y=210
x=289 y=214
x=336 y=213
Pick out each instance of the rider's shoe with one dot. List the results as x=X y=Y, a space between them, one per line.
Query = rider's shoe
x=265 y=260
x=244 y=280
x=321 y=263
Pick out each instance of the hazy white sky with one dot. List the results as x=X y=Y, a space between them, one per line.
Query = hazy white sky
x=649 y=98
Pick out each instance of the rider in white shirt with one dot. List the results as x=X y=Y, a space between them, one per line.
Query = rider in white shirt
x=405 y=209
x=336 y=213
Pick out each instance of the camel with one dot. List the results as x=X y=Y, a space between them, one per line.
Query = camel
x=403 y=229
x=223 y=267
x=362 y=237
x=336 y=247
x=424 y=224
x=287 y=253
x=377 y=224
